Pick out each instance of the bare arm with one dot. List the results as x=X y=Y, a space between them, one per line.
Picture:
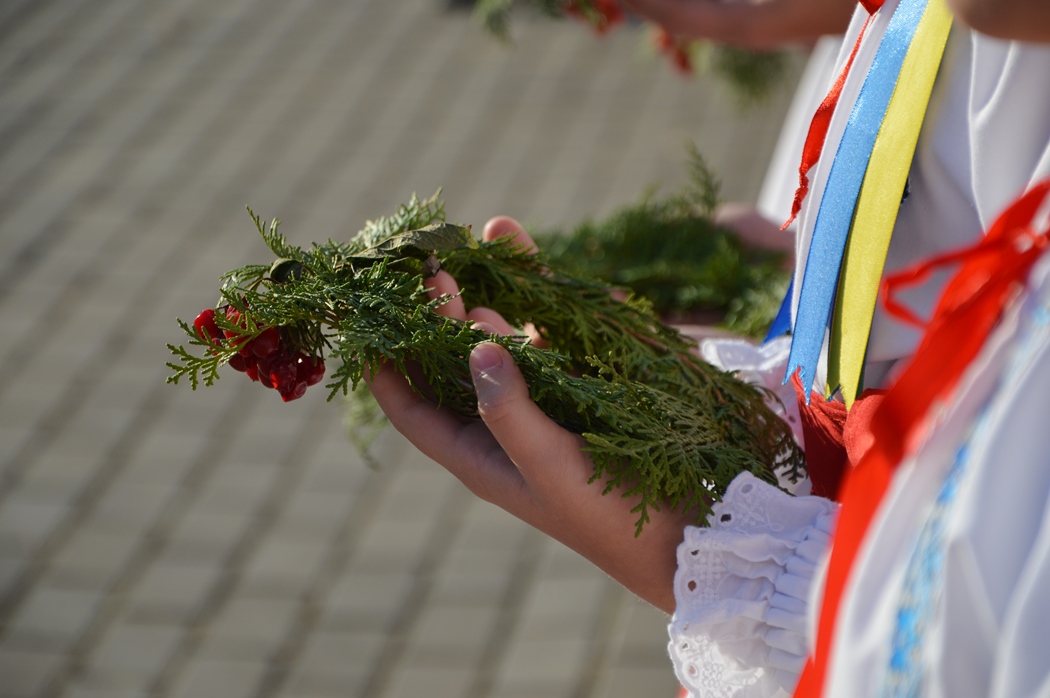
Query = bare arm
x=755 y=25
x=1020 y=20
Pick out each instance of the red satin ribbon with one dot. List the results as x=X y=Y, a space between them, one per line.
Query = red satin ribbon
x=818 y=127
x=991 y=274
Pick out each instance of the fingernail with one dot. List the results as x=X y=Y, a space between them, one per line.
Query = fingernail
x=484 y=359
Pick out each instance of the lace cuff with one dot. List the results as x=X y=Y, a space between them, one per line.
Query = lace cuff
x=742 y=591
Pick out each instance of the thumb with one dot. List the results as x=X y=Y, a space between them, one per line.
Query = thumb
x=527 y=434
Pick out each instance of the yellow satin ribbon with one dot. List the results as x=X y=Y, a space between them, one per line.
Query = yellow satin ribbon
x=879 y=201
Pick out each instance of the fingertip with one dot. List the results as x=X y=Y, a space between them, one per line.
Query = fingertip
x=536 y=337
x=443 y=285
x=486 y=358
x=528 y=436
x=492 y=321
x=496 y=379
x=499 y=226
x=505 y=226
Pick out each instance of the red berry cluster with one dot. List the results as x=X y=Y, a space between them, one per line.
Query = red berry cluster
x=263 y=358
x=676 y=50
x=609 y=14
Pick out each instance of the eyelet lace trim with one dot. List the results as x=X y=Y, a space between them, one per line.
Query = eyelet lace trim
x=742 y=590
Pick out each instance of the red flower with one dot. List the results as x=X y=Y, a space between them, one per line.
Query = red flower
x=264 y=357
x=206 y=327
x=311 y=369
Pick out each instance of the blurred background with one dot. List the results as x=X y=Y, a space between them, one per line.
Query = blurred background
x=156 y=541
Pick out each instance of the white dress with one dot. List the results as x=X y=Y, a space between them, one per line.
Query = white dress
x=742 y=623
x=974 y=499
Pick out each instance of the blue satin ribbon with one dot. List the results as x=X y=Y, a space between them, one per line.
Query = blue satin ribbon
x=782 y=322
x=840 y=195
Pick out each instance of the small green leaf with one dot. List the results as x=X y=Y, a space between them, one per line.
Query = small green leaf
x=423 y=242
x=284 y=270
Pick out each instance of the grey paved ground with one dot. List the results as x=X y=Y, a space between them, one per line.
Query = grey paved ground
x=155 y=541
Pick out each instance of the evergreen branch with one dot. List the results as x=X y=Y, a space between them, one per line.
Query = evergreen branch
x=672 y=253
x=705 y=187
x=411 y=216
x=659 y=423
x=196 y=369
x=273 y=239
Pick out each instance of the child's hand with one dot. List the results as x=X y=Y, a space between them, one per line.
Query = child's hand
x=754 y=229
x=520 y=460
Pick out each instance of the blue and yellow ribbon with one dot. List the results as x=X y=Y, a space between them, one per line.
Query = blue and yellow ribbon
x=879 y=201
x=848 y=172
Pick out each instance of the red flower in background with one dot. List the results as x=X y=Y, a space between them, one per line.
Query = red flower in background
x=676 y=50
x=603 y=15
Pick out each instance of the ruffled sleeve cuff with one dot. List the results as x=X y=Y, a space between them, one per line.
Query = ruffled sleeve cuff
x=742 y=591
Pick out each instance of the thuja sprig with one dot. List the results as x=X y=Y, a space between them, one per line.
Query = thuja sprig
x=670 y=250
x=658 y=423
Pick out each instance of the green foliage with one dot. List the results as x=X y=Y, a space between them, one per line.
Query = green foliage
x=658 y=423
x=411 y=216
x=671 y=252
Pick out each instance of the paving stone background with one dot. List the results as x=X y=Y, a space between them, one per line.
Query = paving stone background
x=160 y=542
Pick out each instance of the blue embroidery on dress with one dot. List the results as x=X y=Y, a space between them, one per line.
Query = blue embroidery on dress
x=923 y=581
x=921 y=591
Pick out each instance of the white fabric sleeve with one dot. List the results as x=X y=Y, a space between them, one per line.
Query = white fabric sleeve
x=742 y=591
